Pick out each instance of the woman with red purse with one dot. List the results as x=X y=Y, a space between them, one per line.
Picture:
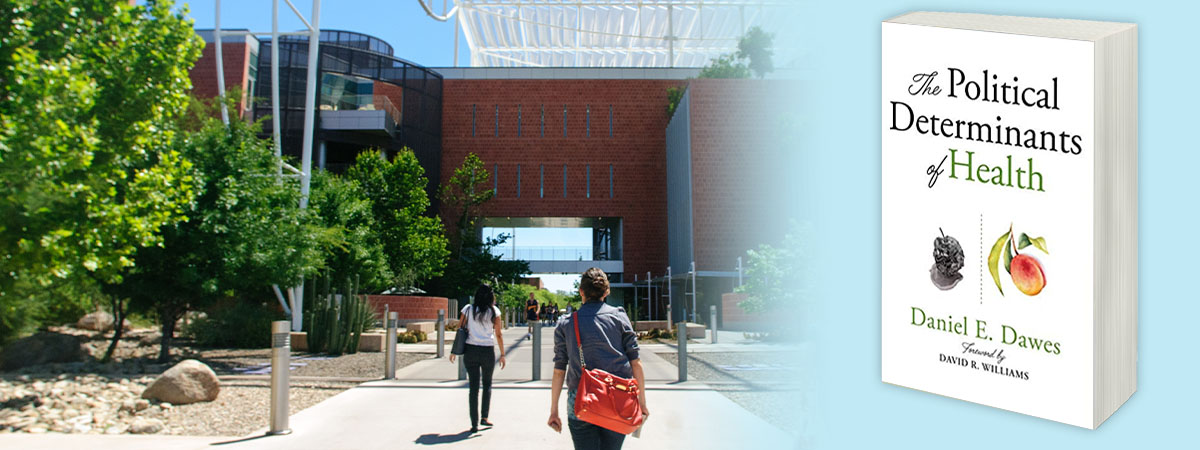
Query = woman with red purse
x=596 y=353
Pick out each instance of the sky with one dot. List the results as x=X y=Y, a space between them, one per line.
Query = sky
x=402 y=23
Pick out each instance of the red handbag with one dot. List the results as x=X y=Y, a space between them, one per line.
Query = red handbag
x=604 y=399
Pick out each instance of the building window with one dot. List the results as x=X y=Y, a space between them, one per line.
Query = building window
x=541 y=181
x=589 y=181
x=564 y=120
x=610 y=121
x=518 y=181
x=472 y=120
x=610 y=181
x=518 y=120
x=497 y=133
x=543 y=120
x=588 y=121
x=496 y=180
x=564 y=181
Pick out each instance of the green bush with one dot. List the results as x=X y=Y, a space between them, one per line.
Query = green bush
x=656 y=333
x=235 y=324
x=412 y=337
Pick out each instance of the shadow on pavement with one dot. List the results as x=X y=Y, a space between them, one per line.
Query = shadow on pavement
x=434 y=439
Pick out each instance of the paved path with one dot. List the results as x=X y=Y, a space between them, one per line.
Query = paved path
x=426 y=406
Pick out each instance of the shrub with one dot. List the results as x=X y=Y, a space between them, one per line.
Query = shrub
x=412 y=337
x=235 y=324
x=335 y=323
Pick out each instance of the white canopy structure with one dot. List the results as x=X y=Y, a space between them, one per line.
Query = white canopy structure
x=609 y=33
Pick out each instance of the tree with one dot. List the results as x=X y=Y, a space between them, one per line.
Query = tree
x=775 y=277
x=245 y=231
x=471 y=258
x=755 y=46
x=725 y=66
x=341 y=205
x=88 y=93
x=413 y=243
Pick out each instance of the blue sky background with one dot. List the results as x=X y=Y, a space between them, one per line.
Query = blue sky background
x=402 y=23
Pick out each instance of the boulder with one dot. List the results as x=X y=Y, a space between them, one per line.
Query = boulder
x=190 y=381
x=143 y=425
x=96 y=321
x=42 y=348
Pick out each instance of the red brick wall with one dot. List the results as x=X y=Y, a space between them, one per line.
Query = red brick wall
x=394 y=93
x=204 y=74
x=411 y=308
x=637 y=150
x=733 y=128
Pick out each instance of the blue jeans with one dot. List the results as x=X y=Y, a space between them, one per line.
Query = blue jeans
x=592 y=437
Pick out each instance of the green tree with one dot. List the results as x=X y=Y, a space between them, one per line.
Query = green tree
x=725 y=66
x=514 y=295
x=358 y=252
x=89 y=90
x=755 y=47
x=471 y=258
x=245 y=231
x=775 y=281
x=413 y=243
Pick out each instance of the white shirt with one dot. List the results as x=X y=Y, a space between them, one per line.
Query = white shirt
x=480 y=332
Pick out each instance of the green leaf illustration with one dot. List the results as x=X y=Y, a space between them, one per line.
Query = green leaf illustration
x=994 y=260
x=1008 y=256
x=1038 y=242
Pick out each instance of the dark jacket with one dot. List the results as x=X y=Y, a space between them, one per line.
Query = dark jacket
x=609 y=342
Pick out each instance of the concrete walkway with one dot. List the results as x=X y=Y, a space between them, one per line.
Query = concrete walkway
x=427 y=406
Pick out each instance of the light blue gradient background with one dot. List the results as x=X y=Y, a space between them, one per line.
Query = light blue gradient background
x=841 y=166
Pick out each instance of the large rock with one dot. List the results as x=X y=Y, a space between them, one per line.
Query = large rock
x=189 y=381
x=42 y=348
x=96 y=321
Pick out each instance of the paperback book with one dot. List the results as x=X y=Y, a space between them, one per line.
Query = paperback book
x=1009 y=179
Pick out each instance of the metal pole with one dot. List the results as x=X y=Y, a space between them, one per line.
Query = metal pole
x=739 y=271
x=695 y=291
x=712 y=310
x=275 y=133
x=649 y=288
x=389 y=366
x=281 y=352
x=220 y=65
x=670 y=291
x=537 y=351
x=681 y=334
x=462 y=369
x=441 y=340
x=310 y=99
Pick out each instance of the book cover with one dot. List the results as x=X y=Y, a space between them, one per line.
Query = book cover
x=987 y=218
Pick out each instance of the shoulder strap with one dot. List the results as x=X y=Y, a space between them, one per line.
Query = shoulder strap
x=575 y=320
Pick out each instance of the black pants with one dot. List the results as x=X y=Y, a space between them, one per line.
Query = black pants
x=479 y=362
x=593 y=437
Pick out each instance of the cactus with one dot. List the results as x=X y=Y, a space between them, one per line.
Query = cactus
x=335 y=322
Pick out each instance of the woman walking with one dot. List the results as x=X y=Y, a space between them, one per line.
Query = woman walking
x=483 y=324
x=609 y=344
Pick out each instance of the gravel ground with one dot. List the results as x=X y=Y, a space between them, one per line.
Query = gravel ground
x=768 y=384
x=243 y=408
x=358 y=365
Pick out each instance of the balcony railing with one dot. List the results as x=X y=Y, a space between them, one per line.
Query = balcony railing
x=361 y=102
x=544 y=253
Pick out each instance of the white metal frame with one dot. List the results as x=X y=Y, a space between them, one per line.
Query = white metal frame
x=608 y=33
x=295 y=303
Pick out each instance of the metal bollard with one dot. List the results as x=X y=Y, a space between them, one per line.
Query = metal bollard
x=281 y=352
x=462 y=369
x=441 y=340
x=537 y=351
x=712 y=310
x=681 y=332
x=389 y=348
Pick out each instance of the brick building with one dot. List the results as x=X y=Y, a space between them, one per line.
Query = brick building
x=566 y=148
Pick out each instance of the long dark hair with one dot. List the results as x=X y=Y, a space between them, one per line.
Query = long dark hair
x=484 y=299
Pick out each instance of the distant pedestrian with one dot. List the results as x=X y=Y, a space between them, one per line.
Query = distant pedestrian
x=611 y=345
x=531 y=311
x=483 y=324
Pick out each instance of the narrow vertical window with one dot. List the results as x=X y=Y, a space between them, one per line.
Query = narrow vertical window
x=610 y=181
x=588 y=121
x=518 y=181
x=497 y=133
x=472 y=120
x=564 y=181
x=518 y=120
x=609 y=120
x=543 y=120
x=496 y=180
x=541 y=181
x=564 y=120
x=589 y=181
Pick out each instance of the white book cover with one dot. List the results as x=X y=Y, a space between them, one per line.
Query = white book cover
x=987 y=218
